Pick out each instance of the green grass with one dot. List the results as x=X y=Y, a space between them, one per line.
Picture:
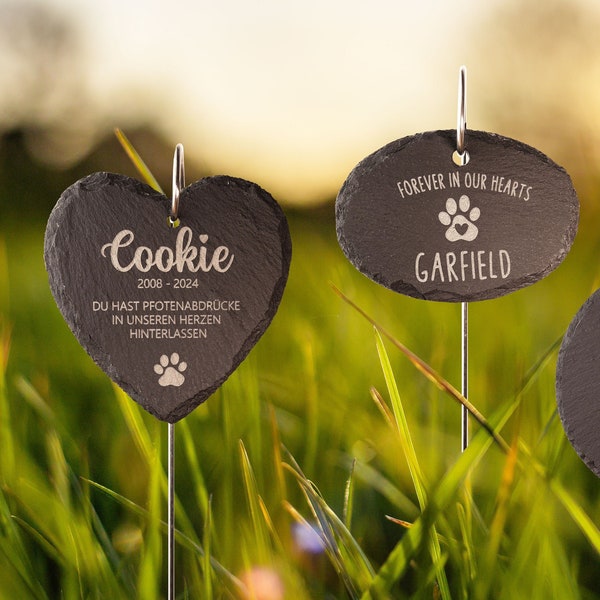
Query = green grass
x=331 y=428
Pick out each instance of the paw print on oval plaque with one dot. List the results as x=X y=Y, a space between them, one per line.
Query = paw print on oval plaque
x=170 y=370
x=460 y=220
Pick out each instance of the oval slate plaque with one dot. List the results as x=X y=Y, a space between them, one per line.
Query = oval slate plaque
x=413 y=221
x=167 y=313
x=578 y=383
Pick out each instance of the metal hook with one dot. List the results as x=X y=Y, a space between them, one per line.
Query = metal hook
x=461 y=156
x=178 y=184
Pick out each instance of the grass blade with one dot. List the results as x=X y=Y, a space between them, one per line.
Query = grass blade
x=206 y=539
x=490 y=555
x=376 y=480
x=576 y=512
x=399 y=558
x=137 y=161
x=401 y=423
x=579 y=516
x=349 y=498
x=408 y=448
x=151 y=561
x=7 y=441
x=194 y=470
x=254 y=506
x=135 y=422
x=182 y=538
x=428 y=372
x=527 y=464
x=344 y=551
x=13 y=551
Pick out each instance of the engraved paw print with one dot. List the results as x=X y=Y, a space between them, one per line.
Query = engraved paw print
x=170 y=374
x=461 y=226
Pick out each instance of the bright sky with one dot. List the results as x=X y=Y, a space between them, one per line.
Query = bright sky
x=289 y=94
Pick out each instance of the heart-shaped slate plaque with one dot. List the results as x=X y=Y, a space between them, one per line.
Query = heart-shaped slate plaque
x=414 y=222
x=167 y=312
x=578 y=383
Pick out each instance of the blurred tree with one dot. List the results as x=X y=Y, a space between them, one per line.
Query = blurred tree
x=539 y=63
x=42 y=88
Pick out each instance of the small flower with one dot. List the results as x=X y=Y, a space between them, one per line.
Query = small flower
x=307 y=538
x=263 y=583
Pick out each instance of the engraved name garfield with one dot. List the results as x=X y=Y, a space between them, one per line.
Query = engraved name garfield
x=183 y=256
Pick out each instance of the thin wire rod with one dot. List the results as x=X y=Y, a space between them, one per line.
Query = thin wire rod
x=460 y=155
x=178 y=182
x=178 y=185
x=465 y=374
x=461 y=113
x=171 y=512
x=461 y=158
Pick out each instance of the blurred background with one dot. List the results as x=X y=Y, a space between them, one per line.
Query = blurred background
x=293 y=94
x=290 y=95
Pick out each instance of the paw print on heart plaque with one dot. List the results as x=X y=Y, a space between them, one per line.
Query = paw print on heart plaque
x=460 y=219
x=170 y=370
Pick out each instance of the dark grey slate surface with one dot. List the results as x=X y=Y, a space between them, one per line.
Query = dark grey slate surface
x=413 y=221
x=167 y=313
x=578 y=383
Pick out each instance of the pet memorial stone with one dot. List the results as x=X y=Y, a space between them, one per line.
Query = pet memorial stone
x=578 y=383
x=167 y=312
x=413 y=221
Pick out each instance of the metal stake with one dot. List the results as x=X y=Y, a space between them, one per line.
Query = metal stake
x=461 y=158
x=464 y=390
x=178 y=185
x=171 y=512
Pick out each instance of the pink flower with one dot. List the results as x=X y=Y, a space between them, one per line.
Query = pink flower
x=263 y=583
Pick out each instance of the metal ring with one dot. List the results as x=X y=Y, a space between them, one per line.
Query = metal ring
x=461 y=156
x=178 y=182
